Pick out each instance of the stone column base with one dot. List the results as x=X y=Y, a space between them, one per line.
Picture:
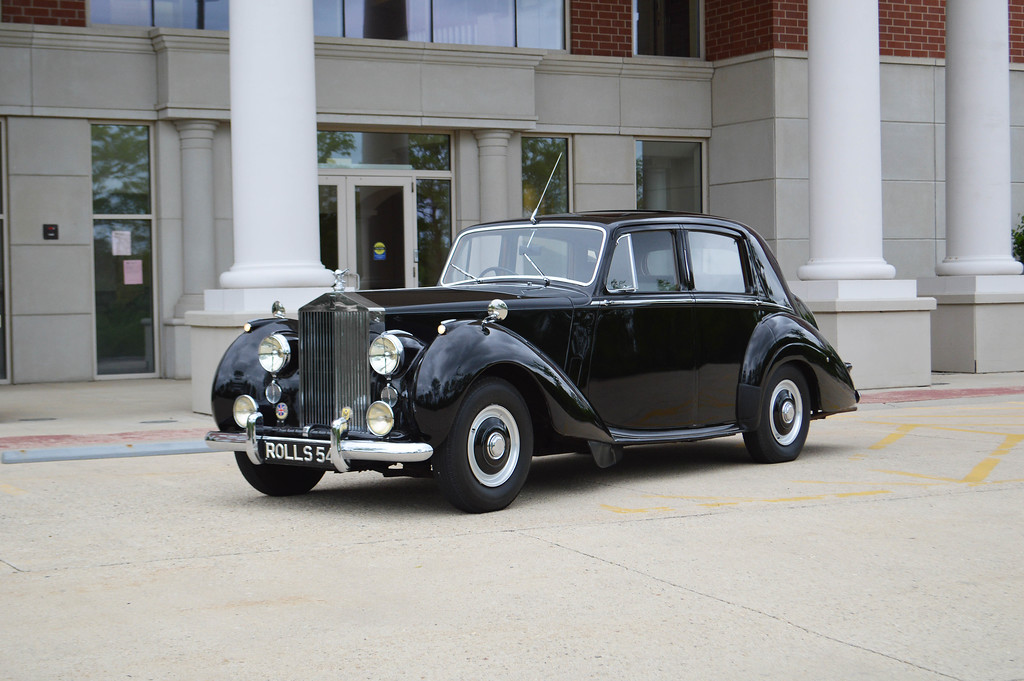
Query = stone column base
x=215 y=327
x=880 y=326
x=979 y=324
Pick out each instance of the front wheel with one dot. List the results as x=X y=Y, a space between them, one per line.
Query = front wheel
x=482 y=464
x=277 y=481
x=785 y=418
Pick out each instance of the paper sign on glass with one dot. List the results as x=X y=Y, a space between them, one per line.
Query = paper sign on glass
x=132 y=272
x=120 y=243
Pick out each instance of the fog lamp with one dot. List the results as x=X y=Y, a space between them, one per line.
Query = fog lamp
x=380 y=419
x=244 y=405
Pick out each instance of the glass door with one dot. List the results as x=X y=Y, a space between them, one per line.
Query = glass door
x=367 y=226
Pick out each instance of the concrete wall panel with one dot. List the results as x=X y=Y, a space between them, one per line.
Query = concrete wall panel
x=49 y=348
x=51 y=279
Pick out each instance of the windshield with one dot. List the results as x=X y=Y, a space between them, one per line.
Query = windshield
x=525 y=252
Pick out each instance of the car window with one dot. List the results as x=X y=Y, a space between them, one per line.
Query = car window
x=644 y=262
x=569 y=253
x=717 y=263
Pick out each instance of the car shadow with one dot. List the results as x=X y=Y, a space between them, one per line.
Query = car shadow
x=550 y=477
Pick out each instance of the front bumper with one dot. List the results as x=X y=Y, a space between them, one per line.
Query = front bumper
x=341 y=451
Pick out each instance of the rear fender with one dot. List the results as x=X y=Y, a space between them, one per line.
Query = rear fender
x=469 y=349
x=783 y=338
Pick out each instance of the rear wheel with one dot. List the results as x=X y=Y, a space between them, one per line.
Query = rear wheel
x=277 y=481
x=785 y=418
x=483 y=463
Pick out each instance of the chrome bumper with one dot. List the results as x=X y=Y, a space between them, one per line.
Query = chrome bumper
x=341 y=451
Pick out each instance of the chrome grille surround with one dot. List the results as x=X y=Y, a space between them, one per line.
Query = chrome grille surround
x=334 y=336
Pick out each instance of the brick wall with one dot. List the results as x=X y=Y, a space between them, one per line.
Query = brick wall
x=1017 y=31
x=912 y=28
x=906 y=28
x=52 y=12
x=738 y=27
x=601 y=27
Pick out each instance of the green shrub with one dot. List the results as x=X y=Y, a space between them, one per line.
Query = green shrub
x=1018 y=240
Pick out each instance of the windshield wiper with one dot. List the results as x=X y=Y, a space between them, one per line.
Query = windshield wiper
x=462 y=271
x=526 y=254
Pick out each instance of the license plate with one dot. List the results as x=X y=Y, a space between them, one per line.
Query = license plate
x=295 y=452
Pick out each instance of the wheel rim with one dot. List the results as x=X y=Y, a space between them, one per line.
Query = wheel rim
x=493 y=446
x=787 y=412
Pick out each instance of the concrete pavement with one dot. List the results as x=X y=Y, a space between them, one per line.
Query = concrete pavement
x=892 y=548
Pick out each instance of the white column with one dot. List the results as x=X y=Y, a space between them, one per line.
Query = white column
x=978 y=214
x=198 y=236
x=273 y=147
x=844 y=123
x=493 y=152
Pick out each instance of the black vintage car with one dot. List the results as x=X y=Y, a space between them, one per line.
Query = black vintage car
x=570 y=333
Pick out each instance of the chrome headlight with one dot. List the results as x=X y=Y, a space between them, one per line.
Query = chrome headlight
x=275 y=351
x=244 y=405
x=380 y=419
x=386 y=354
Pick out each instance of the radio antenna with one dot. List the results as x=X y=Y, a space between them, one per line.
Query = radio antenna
x=533 y=216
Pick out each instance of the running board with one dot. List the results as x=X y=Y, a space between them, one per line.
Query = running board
x=639 y=437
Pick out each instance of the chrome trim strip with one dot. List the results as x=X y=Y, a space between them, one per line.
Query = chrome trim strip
x=341 y=452
x=254 y=419
x=338 y=428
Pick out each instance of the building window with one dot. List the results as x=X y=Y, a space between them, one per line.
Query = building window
x=668 y=28
x=204 y=14
x=362 y=165
x=123 y=249
x=506 y=23
x=383 y=150
x=543 y=156
x=3 y=267
x=669 y=176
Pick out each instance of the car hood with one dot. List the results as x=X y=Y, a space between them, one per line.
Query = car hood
x=471 y=300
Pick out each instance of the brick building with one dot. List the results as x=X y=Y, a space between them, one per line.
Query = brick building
x=118 y=208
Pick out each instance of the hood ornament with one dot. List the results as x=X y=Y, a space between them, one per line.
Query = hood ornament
x=339 y=280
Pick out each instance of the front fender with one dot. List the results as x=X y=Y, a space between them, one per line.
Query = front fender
x=240 y=373
x=467 y=350
x=782 y=338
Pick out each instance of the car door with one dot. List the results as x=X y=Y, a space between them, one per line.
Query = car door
x=726 y=310
x=642 y=369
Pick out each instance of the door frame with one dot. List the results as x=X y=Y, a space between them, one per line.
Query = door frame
x=346 y=184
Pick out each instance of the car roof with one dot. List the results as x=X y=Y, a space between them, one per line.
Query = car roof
x=611 y=219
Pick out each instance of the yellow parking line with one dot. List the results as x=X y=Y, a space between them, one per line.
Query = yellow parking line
x=900 y=433
x=11 y=489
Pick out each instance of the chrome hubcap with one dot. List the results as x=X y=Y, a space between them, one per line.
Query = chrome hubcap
x=787 y=412
x=493 y=446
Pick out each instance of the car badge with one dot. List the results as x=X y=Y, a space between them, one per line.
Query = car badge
x=281 y=410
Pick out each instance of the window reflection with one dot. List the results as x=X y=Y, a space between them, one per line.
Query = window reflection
x=669 y=28
x=120 y=170
x=203 y=14
x=474 y=22
x=540 y=155
x=433 y=228
x=526 y=23
x=668 y=176
x=412 y=151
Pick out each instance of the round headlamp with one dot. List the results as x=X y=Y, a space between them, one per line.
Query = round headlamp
x=275 y=351
x=386 y=354
x=244 y=405
x=380 y=419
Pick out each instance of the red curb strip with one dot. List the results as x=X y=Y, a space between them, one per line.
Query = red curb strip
x=926 y=394
x=55 y=441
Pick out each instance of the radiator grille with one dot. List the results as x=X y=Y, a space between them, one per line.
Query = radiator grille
x=334 y=372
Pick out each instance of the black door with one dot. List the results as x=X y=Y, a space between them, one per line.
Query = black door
x=725 y=314
x=642 y=369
